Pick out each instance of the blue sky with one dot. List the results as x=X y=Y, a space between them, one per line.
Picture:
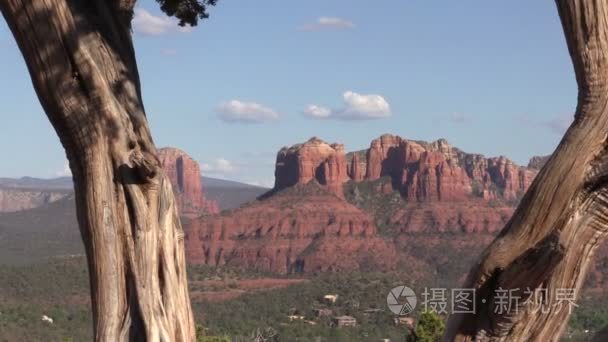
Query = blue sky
x=492 y=77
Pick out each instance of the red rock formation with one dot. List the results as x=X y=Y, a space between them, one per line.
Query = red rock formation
x=420 y=171
x=302 y=229
x=312 y=160
x=383 y=158
x=509 y=178
x=356 y=167
x=439 y=172
x=431 y=177
x=185 y=175
x=437 y=208
x=472 y=217
x=411 y=189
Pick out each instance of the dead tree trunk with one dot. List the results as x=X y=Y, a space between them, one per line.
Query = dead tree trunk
x=550 y=240
x=81 y=60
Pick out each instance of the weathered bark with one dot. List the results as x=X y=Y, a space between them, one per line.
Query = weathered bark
x=550 y=240
x=81 y=60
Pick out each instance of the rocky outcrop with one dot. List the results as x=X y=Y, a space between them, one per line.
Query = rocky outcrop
x=185 y=175
x=506 y=179
x=474 y=217
x=15 y=199
x=432 y=177
x=395 y=202
x=357 y=166
x=312 y=160
x=302 y=229
x=437 y=171
x=420 y=171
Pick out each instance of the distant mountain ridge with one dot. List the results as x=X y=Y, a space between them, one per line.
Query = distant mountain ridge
x=61 y=183
x=16 y=199
x=66 y=183
x=28 y=192
x=225 y=183
x=38 y=217
x=218 y=194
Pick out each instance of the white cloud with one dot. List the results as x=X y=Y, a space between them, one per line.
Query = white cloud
x=317 y=112
x=65 y=171
x=219 y=166
x=360 y=106
x=324 y=23
x=148 y=24
x=224 y=165
x=245 y=112
x=264 y=183
x=254 y=172
x=356 y=107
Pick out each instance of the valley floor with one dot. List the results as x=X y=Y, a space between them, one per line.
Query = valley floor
x=235 y=303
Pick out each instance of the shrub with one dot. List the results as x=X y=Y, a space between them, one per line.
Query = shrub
x=430 y=328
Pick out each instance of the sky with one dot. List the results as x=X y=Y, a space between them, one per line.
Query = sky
x=491 y=77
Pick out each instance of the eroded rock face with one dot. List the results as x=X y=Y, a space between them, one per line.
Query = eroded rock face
x=13 y=199
x=302 y=229
x=420 y=171
x=474 y=217
x=185 y=175
x=410 y=189
x=312 y=160
x=357 y=167
x=437 y=171
x=509 y=179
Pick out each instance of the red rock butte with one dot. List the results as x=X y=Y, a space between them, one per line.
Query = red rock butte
x=420 y=171
x=318 y=218
x=185 y=175
x=426 y=208
x=314 y=159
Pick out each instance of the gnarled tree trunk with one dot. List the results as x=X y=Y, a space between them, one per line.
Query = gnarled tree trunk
x=550 y=240
x=81 y=60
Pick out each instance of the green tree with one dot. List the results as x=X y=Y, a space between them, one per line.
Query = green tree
x=430 y=328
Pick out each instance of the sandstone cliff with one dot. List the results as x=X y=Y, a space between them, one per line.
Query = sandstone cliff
x=420 y=171
x=301 y=229
x=185 y=175
x=14 y=199
x=398 y=202
x=312 y=160
x=326 y=208
x=438 y=171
